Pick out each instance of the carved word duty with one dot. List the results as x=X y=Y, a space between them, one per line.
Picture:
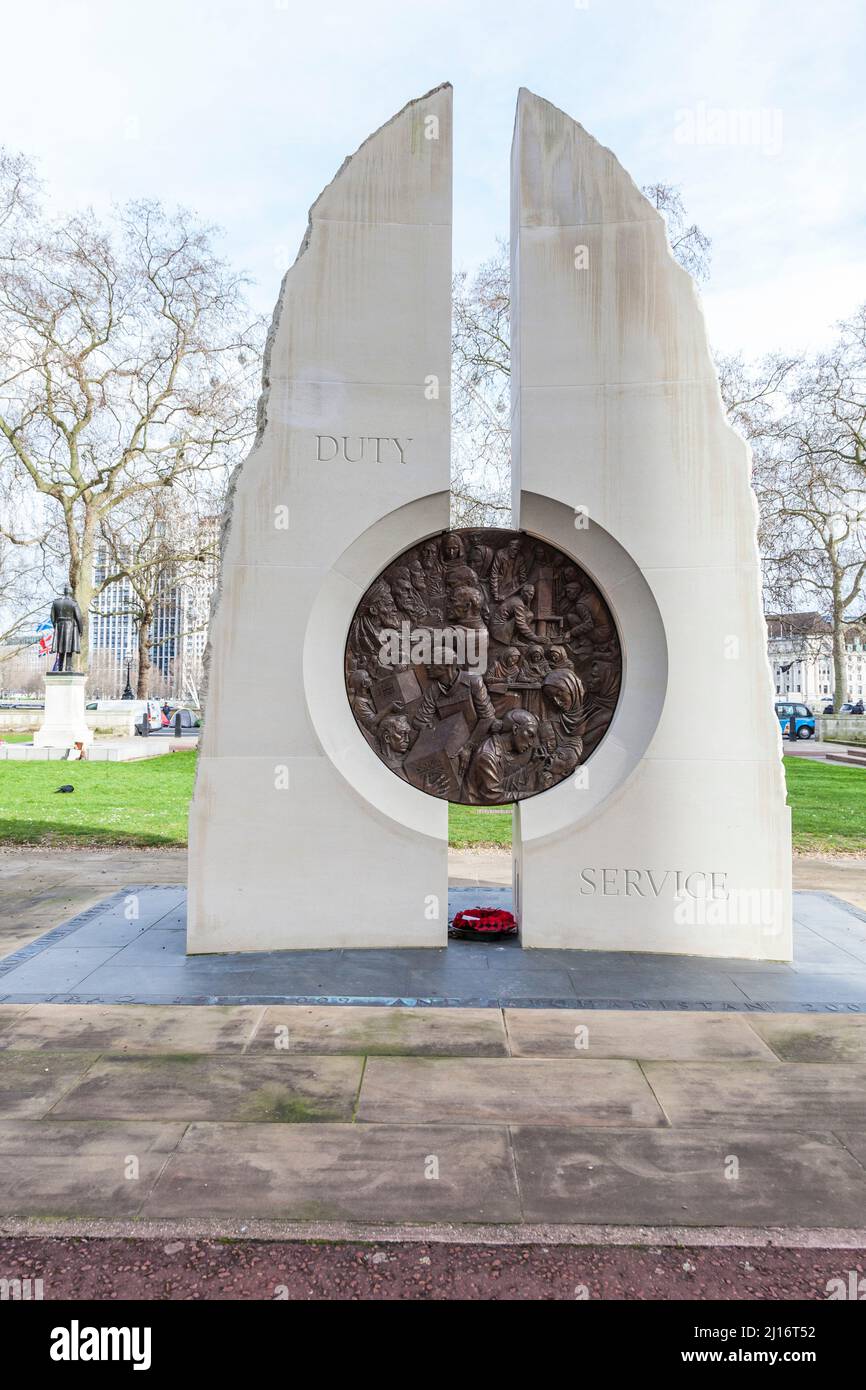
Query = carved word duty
x=361 y=448
x=483 y=666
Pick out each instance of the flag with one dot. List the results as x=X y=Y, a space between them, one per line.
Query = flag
x=44 y=633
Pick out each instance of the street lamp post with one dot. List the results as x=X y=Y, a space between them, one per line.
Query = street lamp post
x=128 y=694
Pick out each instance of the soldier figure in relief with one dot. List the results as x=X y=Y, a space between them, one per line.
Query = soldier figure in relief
x=508 y=571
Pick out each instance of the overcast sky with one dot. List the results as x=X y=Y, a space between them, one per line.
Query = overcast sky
x=244 y=111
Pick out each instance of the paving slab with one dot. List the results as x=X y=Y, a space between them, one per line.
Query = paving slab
x=686 y=1177
x=658 y=978
x=12 y=1013
x=814 y=952
x=853 y=944
x=782 y=983
x=381 y=1032
x=491 y=1090
x=793 y=1096
x=130 y=1028
x=180 y=1086
x=183 y=981
x=138 y=905
x=31 y=1082
x=581 y=1034
x=62 y=968
x=144 y=973
x=456 y=979
x=108 y=930
x=833 y=944
x=472 y=983
x=814 y=1037
x=507 y=958
x=339 y=1173
x=80 y=1168
x=68 y=1138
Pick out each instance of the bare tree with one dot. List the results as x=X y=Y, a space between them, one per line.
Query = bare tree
x=23 y=591
x=18 y=187
x=690 y=245
x=809 y=441
x=128 y=364
x=753 y=395
x=155 y=559
x=826 y=551
x=481 y=405
x=751 y=391
x=830 y=394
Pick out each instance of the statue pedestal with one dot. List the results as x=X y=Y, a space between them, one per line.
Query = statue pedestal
x=63 y=723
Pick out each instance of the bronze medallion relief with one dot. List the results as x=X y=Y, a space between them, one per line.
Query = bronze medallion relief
x=483 y=666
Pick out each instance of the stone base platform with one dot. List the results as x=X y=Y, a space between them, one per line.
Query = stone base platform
x=123 y=750
x=130 y=947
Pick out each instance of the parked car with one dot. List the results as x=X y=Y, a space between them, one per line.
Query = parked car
x=846 y=709
x=804 y=719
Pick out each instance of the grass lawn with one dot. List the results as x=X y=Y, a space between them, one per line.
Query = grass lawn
x=142 y=803
x=17 y=738
x=828 y=806
x=467 y=826
x=828 y=812
x=145 y=803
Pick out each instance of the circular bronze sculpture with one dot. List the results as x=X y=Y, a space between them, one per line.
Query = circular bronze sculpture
x=483 y=666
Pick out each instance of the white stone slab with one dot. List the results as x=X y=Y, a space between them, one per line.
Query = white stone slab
x=299 y=836
x=616 y=409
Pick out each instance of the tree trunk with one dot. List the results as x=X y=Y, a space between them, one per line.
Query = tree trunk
x=840 y=662
x=142 y=684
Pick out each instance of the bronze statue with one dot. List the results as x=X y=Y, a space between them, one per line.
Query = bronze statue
x=483 y=667
x=68 y=622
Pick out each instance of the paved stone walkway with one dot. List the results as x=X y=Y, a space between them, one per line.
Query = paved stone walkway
x=503 y=1118
x=305 y=1114
x=41 y=887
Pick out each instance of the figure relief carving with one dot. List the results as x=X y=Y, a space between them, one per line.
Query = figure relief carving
x=483 y=666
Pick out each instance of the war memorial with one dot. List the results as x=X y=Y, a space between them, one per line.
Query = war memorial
x=571 y=666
